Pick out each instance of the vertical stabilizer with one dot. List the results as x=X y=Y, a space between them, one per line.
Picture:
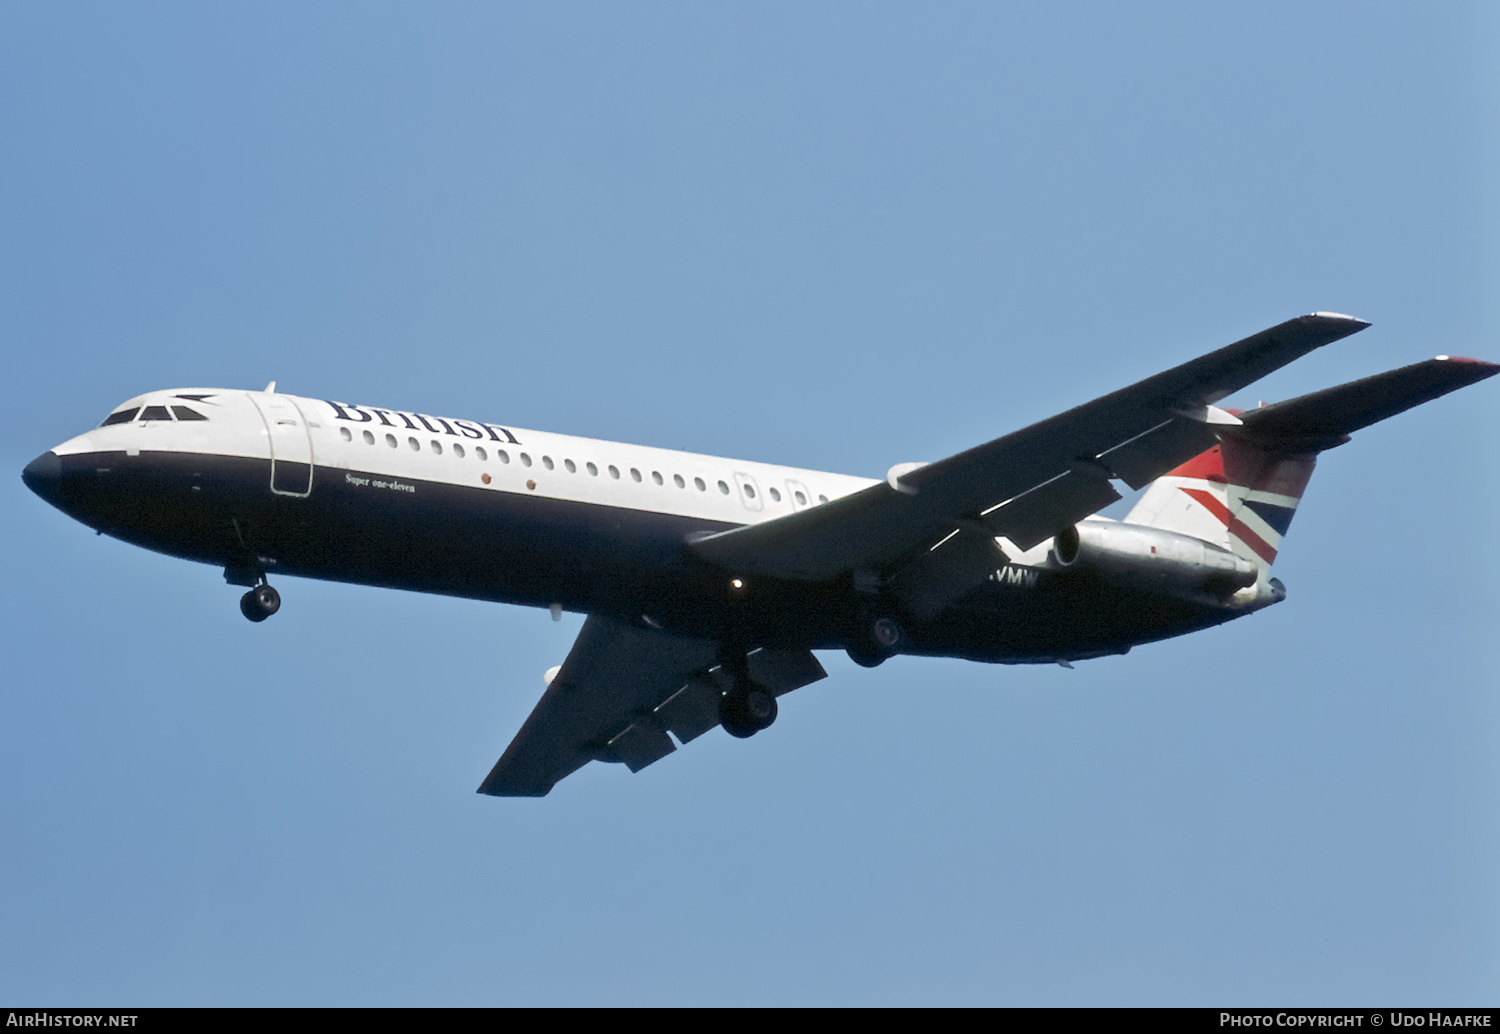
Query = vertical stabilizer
x=1235 y=495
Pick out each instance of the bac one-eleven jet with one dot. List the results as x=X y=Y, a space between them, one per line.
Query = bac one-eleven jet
x=708 y=583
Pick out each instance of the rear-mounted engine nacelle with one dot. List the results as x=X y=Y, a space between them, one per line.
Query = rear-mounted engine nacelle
x=1137 y=557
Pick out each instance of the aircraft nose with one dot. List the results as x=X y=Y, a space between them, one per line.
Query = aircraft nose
x=43 y=476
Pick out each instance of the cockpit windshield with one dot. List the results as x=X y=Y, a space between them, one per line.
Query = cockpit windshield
x=124 y=416
x=129 y=413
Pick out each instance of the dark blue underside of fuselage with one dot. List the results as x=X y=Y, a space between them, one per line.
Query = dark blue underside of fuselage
x=480 y=543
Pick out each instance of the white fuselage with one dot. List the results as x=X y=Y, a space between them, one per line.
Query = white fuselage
x=385 y=449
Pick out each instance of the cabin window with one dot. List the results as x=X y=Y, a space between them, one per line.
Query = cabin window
x=656 y=476
x=723 y=488
x=416 y=446
x=345 y=434
x=677 y=480
x=480 y=453
x=502 y=455
x=184 y=413
x=390 y=440
x=822 y=499
x=124 y=416
x=547 y=462
x=700 y=485
x=775 y=496
x=749 y=491
x=593 y=470
x=635 y=475
x=458 y=450
x=614 y=472
x=525 y=459
x=369 y=437
x=572 y=467
x=155 y=413
x=437 y=447
x=801 y=499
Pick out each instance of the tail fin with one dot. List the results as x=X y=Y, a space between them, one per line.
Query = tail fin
x=1235 y=496
x=1241 y=494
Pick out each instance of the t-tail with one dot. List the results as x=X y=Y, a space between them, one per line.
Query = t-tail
x=1241 y=495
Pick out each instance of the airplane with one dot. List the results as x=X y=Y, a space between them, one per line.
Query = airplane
x=708 y=583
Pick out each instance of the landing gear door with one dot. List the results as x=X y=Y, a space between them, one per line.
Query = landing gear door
x=290 y=444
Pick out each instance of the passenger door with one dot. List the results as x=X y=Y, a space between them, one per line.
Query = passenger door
x=290 y=443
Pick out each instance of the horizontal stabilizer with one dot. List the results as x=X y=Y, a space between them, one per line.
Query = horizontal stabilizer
x=1326 y=418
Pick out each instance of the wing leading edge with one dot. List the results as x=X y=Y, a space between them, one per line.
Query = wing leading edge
x=1028 y=485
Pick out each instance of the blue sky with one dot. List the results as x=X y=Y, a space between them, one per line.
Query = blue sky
x=833 y=235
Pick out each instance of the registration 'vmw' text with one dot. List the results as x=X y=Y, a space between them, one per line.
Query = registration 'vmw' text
x=1010 y=574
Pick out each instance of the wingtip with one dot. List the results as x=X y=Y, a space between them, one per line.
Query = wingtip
x=1341 y=318
x=1468 y=370
x=1463 y=359
x=499 y=789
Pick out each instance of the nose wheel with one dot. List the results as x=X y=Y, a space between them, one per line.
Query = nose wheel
x=260 y=603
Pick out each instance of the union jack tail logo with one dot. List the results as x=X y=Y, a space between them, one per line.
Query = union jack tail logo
x=1234 y=495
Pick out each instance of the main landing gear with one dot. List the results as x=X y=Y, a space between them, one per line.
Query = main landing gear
x=746 y=707
x=746 y=710
x=878 y=639
x=260 y=602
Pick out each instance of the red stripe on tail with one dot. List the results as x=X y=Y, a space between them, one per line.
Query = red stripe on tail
x=1236 y=527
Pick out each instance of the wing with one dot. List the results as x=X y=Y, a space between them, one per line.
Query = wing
x=622 y=689
x=1026 y=486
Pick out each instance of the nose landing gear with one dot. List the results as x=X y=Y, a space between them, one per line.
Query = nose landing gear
x=260 y=602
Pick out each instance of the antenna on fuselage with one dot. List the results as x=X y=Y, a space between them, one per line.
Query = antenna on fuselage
x=271 y=388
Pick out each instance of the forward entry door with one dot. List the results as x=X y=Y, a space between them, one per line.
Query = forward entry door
x=290 y=443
